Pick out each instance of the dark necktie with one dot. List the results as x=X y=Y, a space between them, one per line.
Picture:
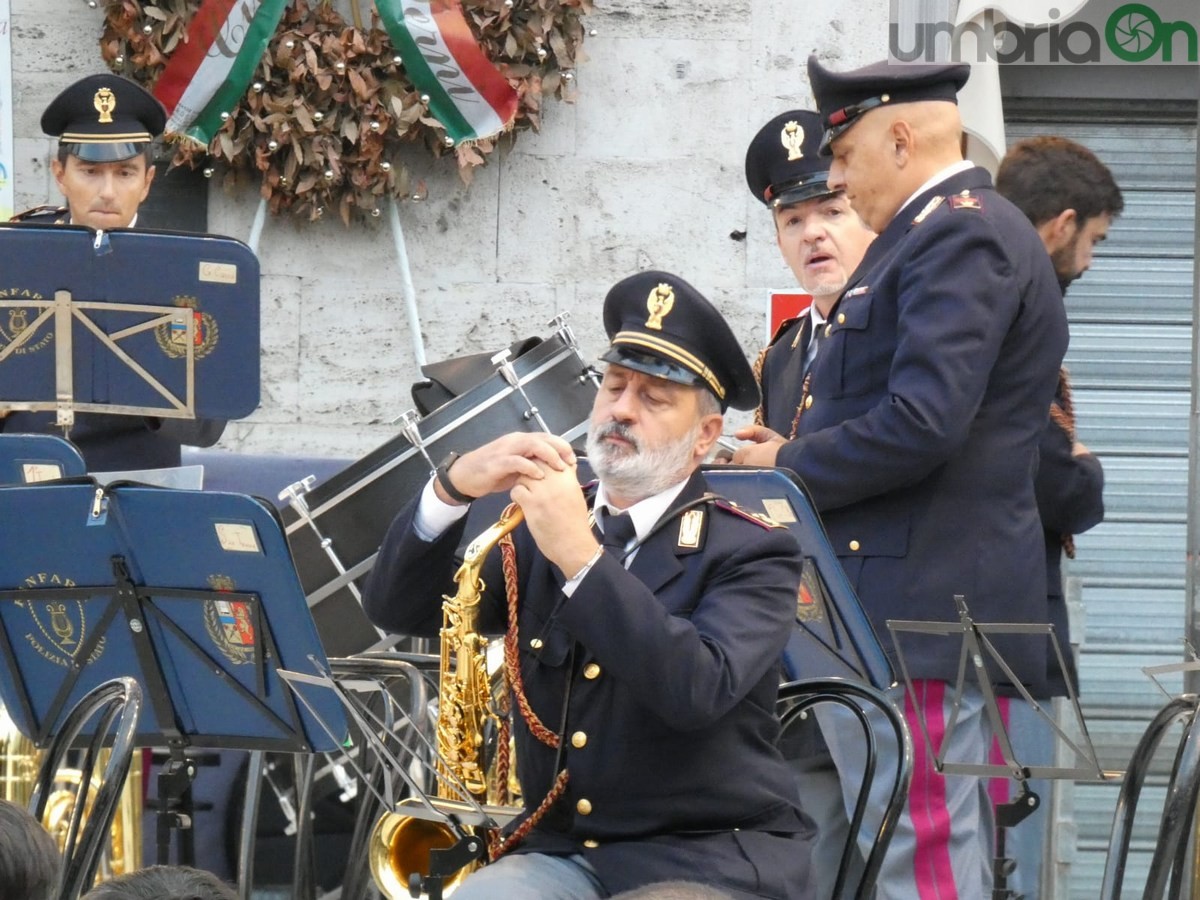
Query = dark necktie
x=813 y=346
x=618 y=532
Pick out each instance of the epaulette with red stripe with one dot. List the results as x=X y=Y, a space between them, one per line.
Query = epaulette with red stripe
x=760 y=519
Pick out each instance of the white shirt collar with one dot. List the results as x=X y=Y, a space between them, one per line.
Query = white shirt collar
x=645 y=513
x=132 y=222
x=948 y=172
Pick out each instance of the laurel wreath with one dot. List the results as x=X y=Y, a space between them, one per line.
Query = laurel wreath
x=331 y=114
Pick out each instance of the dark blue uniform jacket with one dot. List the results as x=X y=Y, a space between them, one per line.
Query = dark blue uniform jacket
x=674 y=669
x=930 y=395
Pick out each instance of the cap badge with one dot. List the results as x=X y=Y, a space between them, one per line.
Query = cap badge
x=660 y=302
x=105 y=103
x=792 y=138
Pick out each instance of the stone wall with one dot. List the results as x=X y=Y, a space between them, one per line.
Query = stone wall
x=644 y=170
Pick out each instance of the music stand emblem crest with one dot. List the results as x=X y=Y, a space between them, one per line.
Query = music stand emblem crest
x=810 y=602
x=62 y=627
x=172 y=337
x=18 y=320
x=230 y=623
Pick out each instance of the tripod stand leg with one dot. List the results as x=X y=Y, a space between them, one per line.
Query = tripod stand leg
x=249 y=835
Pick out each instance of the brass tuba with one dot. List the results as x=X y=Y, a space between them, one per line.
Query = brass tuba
x=19 y=761
x=399 y=845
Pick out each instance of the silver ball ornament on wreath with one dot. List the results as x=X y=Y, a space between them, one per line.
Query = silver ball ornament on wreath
x=208 y=172
x=329 y=174
x=318 y=116
x=258 y=87
x=397 y=60
x=272 y=144
x=147 y=29
x=448 y=141
x=385 y=166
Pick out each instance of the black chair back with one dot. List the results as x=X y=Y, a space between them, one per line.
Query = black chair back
x=795 y=699
x=115 y=705
x=1168 y=866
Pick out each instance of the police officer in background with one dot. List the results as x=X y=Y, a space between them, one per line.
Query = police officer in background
x=929 y=395
x=105 y=126
x=653 y=653
x=822 y=240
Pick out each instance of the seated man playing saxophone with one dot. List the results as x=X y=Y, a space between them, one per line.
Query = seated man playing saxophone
x=644 y=711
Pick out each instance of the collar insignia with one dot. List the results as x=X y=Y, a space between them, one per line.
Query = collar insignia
x=929 y=208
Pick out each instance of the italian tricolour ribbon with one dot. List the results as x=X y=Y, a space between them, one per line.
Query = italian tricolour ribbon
x=208 y=73
x=467 y=94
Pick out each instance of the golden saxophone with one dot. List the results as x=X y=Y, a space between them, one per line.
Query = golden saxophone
x=399 y=845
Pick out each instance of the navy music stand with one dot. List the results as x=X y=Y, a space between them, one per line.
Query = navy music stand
x=30 y=458
x=132 y=322
x=833 y=636
x=193 y=594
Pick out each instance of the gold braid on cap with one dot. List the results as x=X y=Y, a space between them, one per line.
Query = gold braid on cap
x=672 y=351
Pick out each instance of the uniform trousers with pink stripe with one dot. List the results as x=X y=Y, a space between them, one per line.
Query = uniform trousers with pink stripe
x=943 y=844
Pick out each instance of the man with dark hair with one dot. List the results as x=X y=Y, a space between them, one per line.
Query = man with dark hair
x=649 y=664
x=1067 y=193
x=163 y=883
x=919 y=438
x=29 y=861
x=105 y=125
x=1071 y=198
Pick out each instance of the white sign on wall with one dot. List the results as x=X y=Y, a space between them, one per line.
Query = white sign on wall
x=6 y=119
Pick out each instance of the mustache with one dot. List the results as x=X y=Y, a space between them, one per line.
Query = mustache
x=617 y=429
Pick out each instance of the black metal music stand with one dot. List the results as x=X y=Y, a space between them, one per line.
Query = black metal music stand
x=192 y=594
x=981 y=663
x=132 y=322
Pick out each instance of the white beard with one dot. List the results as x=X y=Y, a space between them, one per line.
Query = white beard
x=639 y=472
